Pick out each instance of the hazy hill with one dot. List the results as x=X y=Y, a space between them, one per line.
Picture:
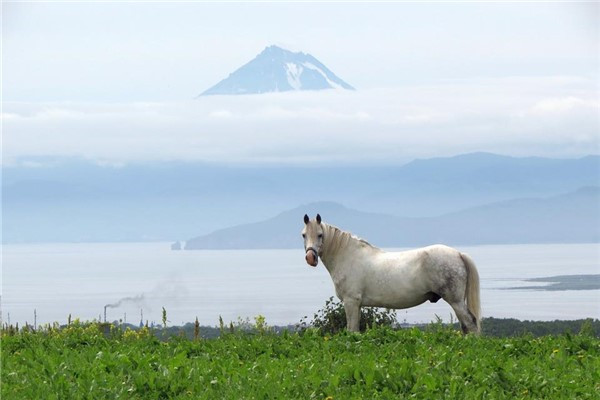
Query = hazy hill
x=573 y=217
x=74 y=200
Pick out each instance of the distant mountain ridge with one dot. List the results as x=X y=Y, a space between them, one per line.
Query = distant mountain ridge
x=66 y=200
x=570 y=218
x=278 y=70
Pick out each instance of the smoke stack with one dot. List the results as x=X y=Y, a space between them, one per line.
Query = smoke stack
x=105 y=313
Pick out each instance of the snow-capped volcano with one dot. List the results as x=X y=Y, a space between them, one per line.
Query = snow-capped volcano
x=279 y=70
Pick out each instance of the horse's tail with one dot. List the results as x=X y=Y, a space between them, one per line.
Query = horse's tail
x=472 y=294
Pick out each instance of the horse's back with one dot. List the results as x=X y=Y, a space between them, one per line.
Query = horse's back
x=440 y=255
x=428 y=267
x=423 y=257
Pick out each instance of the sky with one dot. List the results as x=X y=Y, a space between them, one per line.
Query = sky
x=117 y=82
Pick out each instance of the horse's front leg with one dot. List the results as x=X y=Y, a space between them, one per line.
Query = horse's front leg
x=352 y=308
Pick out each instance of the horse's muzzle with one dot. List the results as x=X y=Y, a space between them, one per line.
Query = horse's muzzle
x=311 y=257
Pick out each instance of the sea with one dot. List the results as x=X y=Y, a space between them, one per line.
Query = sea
x=133 y=282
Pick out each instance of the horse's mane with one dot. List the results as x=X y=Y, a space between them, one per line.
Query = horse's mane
x=337 y=239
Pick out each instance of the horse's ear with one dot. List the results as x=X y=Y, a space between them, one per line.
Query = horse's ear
x=306 y=219
x=318 y=219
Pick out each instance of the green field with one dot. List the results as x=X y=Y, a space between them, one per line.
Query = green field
x=83 y=362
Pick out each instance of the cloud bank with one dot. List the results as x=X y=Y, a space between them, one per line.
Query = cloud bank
x=553 y=116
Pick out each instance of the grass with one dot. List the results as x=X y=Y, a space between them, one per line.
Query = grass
x=82 y=361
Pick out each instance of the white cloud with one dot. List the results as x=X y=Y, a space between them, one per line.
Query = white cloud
x=554 y=117
x=221 y=114
x=562 y=105
x=9 y=116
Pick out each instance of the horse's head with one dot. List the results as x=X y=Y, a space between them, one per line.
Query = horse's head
x=313 y=239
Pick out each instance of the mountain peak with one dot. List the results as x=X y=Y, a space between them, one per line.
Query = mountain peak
x=275 y=49
x=276 y=69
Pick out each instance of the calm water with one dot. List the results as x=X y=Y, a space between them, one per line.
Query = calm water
x=58 y=279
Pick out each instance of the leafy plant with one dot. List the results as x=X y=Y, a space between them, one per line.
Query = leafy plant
x=196 y=329
x=331 y=318
x=164 y=318
x=260 y=324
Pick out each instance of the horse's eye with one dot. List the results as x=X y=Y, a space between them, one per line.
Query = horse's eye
x=320 y=236
x=304 y=235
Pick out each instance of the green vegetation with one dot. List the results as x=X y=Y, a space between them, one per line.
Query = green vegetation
x=510 y=327
x=101 y=361
x=331 y=319
x=497 y=327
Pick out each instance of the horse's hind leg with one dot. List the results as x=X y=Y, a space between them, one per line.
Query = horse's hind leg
x=455 y=297
x=453 y=290
x=468 y=323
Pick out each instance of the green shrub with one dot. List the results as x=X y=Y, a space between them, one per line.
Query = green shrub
x=332 y=318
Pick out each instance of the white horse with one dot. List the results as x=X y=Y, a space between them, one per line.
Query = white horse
x=364 y=275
